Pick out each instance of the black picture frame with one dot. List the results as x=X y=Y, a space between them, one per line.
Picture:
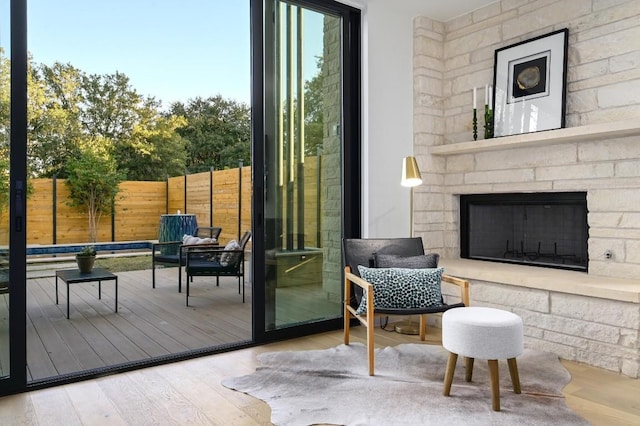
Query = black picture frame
x=529 y=83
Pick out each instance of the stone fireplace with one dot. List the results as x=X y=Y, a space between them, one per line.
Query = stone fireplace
x=590 y=313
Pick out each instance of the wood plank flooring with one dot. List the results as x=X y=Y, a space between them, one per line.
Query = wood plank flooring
x=190 y=392
x=149 y=322
x=155 y=322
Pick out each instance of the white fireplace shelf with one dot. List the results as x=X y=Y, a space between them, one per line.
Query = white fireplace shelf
x=550 y=137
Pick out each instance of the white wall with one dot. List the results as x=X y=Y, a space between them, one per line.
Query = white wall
x=388 y=107
x=387 y=85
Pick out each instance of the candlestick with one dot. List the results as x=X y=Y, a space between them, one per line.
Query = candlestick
x=474 y=98
x=475 y=123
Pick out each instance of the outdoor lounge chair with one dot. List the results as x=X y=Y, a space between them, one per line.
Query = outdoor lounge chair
x=171 y=253
x=362 y=252
x=217 y=262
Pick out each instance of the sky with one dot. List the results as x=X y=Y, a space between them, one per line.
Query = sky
x=172 y=50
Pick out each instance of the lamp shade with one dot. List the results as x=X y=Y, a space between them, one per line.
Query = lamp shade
x=410 y=172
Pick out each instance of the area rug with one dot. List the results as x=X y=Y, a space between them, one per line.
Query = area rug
x=332 y=386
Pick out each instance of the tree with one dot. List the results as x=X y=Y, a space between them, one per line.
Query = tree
x=68 y=106
x=217 y=130
x=54 y=130
x=93 y=180
x=156 y=150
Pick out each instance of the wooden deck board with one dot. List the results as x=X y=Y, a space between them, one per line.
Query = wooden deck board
x=96 y=329
x=149 y=322
x=190 y=325
x=43 y=312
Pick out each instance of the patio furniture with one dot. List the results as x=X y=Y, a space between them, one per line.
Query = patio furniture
x=485 y=333
x=217 y=262
x=408 y=253
x=74 y=276
x=171 y=253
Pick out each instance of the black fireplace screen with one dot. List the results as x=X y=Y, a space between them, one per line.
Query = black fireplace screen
x=542 y=229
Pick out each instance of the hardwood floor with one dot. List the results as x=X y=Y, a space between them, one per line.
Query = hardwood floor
x=189 y=392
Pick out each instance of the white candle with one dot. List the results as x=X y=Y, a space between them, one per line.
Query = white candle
x=474 y=98
x=490 y=96
x=486 y=94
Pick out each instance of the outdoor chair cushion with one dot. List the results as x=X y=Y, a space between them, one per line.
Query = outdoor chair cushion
x=199 y=265
x=402 y=288
x=228 y=257
x=189 y=239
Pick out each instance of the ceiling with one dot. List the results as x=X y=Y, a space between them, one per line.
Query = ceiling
x=440 y=10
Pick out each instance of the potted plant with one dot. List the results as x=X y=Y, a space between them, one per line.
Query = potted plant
x=85 y=259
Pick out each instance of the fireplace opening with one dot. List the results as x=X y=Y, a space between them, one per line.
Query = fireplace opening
x=541 y=229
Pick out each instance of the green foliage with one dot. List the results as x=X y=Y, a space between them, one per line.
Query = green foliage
x=67 y=106
x=217 y=130
x=53 y=128
x=4 y=183
x=93 y=181
x=155 y=150
x=5 y=109
x=87 y=251
x=314 y=110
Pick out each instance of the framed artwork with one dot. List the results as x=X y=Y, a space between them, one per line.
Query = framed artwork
x=530 y=85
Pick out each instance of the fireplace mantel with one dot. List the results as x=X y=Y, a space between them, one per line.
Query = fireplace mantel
x=550 y=137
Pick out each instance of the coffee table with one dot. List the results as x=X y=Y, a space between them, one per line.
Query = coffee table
x=74 y=276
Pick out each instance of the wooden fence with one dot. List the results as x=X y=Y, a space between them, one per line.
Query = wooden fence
x=218 y=198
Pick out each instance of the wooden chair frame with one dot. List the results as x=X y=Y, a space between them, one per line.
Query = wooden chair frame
x=368 y=320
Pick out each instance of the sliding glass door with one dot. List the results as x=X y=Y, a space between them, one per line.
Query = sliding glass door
x=310 y=52
x=305 y=121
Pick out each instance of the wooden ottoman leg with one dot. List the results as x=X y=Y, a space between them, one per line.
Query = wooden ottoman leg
x=468 y=365
x=448 y=375
x=513 y=371
x=495 y=384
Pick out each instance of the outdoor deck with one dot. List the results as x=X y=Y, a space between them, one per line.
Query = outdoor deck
x=149 y=322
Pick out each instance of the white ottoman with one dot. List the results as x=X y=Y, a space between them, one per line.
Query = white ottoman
x=485 y=333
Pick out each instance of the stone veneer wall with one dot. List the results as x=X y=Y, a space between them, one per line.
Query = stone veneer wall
x=596 y=331
x=603 y=85
x=331 y=161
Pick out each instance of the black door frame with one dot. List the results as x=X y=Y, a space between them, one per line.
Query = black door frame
x=17 y=381
x=351 y=161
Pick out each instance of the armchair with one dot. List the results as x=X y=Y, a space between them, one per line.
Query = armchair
x=171 y=253
x=217 y=262
x=362 y=252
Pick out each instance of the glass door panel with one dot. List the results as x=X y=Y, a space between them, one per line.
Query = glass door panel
x=163 y=100
x=304 y=156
